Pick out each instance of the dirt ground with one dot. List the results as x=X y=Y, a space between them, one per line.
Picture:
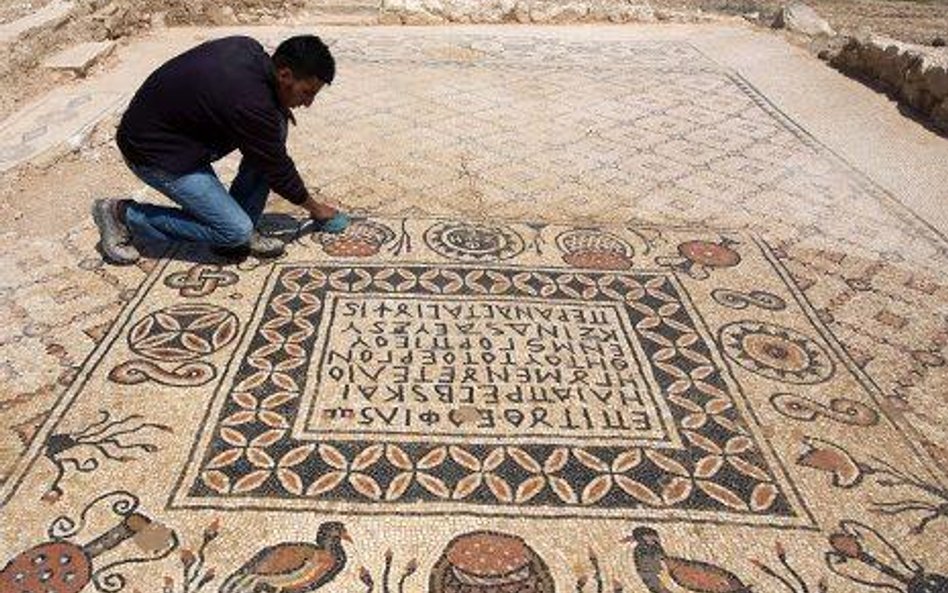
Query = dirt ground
x=915 y=21
x=10 y=10
x=21 y=78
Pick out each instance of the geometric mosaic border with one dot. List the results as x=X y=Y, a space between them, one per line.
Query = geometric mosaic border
x=250 y=458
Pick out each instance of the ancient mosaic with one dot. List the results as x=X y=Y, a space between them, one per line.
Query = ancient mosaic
x=712 y=387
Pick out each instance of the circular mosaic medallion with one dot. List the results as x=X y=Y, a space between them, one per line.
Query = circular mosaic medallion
x=473 y=242
x=712 y=255
x=589 y=248
x=183 y=332
x=776 y=352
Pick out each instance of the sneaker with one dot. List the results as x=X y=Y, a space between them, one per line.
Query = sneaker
x=266 y=247
x=260 y=246
x=114 y=237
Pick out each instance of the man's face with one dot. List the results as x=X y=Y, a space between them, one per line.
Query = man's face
x=296 y=92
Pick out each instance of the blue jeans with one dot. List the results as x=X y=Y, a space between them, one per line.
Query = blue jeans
x=208 y=213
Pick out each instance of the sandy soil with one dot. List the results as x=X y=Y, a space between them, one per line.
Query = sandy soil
x=10 y=10
x=21 y=78
x=915 y=21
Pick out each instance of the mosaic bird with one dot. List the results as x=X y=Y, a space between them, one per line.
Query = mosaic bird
x=666 y=574
x=490 y=562
x=293 y=567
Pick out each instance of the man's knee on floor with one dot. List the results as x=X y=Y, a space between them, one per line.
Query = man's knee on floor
x=235 y=233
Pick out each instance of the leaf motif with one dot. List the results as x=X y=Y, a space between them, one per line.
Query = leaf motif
x=722 y=495
x=499 y=487
x=325 y=483
x=252 y=382
x=749 y=469
x=562 y=489
x=260 y=458
x=708 y=467
x=365 y=485
x=676 y=490
x=494 y=459
x=333 y=457
x=273 y=420
x=717 y=406
x=267 y=438
x=296 y=456
x=433 y=458
x=703 y=442
x=397 y=457
x=433 y=485
x=666 y=463
x=208 y=319
x=234 y=437
x=467 y=485
x=465 y=459
x=638 y=491
x=225 y=458
x=738 y=445
x=224 y=333
x=398 y=486
x=590 y=460
x=284 y=382
x=160 y=343
x=763 y=497
x=244 y=400
x=278 y=399
x=733 y=426
x=694 y=421
x=166 y=322
x=295 y=352
x=524 y=460
x=251 y=481
x=596 y=489
x=291 y=481
x=530 y=488
x=238 y=418
x=216 y=481
x=140 y=330
x=289 y=363
x=367 y=457
x=168 y=354
x=556 y=461
x=626 y=460
x=195 y=344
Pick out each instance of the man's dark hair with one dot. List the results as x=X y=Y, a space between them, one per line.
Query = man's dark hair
x=306 y=56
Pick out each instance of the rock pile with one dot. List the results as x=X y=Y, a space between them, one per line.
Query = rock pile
x=915 y=74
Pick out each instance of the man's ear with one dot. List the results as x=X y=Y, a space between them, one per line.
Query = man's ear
x=284 y=74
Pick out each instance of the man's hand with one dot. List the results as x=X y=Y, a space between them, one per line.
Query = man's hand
x=318 y=210
x=326 y=218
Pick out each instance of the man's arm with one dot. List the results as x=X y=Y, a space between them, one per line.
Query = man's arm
x=318 y=210
x=260 y=138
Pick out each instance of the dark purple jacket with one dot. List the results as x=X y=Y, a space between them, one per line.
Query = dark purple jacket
x=203 y=104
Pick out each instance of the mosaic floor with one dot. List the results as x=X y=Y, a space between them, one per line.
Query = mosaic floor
x=627 y=328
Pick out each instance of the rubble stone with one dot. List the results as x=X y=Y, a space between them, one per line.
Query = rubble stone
x=916 y=74
x=801 y=18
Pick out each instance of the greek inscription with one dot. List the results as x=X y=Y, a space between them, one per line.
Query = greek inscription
x=457 y=367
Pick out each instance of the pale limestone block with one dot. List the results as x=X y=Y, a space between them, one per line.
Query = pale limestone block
x=49 y=16
x=79 y=58
x=801 y=18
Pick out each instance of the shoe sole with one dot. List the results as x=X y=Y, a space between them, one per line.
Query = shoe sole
x=267 y=254
x=98 y=216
